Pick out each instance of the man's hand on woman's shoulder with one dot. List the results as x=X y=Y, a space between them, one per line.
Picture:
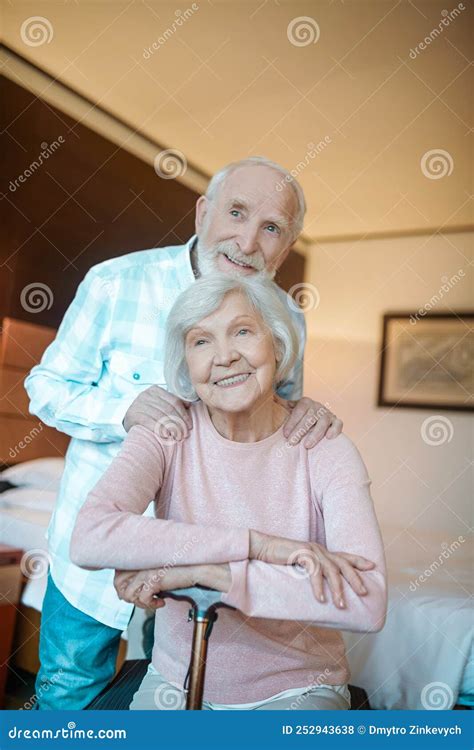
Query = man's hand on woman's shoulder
x=309 y=420
x=162 y=412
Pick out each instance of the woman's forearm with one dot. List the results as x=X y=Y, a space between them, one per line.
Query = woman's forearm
x=259 y=589
x=216 y=577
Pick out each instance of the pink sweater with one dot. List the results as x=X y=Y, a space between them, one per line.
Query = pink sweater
x=208 y=493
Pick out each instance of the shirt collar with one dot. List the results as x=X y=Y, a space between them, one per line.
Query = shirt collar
x=190 y=246
x=191 y=243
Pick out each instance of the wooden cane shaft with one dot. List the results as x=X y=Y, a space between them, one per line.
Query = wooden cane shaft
x=198 y=666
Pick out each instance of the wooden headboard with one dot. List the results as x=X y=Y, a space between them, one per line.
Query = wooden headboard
x=22 y=436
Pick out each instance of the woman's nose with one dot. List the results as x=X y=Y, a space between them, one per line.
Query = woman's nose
x=225 y=355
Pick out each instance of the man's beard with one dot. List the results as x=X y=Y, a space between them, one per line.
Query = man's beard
x=207 y=258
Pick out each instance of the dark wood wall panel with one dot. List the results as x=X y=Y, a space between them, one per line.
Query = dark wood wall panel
x=87 y=202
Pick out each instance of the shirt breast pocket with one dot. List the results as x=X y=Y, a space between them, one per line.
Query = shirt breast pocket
x=130 y=372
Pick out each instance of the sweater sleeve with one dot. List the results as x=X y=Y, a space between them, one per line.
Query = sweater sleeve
x=111 y=532
x=281 y=592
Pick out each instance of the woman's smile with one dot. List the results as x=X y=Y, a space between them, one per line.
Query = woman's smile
x=231 y=381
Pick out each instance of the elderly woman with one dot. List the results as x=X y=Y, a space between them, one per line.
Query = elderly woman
x=289 y=535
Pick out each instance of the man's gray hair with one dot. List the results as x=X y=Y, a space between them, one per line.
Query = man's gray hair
x=203 y=298
x=287 y=179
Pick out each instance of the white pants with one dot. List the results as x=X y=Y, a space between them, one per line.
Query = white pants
x=156 y=694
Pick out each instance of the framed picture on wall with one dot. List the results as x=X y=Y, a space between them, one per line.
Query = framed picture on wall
x=427 y=361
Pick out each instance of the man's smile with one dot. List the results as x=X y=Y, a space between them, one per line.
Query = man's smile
x=239 y=263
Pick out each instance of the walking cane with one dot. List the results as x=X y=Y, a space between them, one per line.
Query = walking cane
x=204 y=603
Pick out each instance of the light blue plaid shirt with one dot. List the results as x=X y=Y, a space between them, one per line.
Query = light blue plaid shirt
x=109 y=348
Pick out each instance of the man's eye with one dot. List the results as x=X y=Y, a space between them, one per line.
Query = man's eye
x=243 y=330
x=235 y=212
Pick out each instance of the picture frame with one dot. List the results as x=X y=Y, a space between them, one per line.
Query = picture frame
x=427 y=361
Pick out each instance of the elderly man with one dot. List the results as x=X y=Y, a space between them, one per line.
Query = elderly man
x=104 y=373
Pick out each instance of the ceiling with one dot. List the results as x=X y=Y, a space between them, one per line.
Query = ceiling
x=378 y=131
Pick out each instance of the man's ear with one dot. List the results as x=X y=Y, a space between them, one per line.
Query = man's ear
x=202 y=207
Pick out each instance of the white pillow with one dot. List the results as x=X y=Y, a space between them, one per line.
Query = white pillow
x=42 y=473
x=30 y=498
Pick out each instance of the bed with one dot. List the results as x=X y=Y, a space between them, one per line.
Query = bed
x=27 y=497
x=423 y=658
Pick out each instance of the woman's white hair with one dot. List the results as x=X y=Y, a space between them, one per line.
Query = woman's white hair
x=203 y=298
x=287 y=179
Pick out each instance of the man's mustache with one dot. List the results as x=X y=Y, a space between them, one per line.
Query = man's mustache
x=233 y=251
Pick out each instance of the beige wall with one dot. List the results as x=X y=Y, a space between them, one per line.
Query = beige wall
x=415 y=485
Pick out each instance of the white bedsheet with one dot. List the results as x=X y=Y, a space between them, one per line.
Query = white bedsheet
x=29 y=498
x=25 y=528
x=419 y=659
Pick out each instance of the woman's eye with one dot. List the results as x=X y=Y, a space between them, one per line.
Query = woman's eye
x=199 y=342
x=235 y=212
x=243 y=330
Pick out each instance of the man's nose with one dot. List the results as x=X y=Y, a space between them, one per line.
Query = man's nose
x=248 y=240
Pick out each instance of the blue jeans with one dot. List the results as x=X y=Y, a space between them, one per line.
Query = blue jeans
x=77 y=654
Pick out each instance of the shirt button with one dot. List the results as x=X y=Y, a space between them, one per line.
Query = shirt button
x=136 y=376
